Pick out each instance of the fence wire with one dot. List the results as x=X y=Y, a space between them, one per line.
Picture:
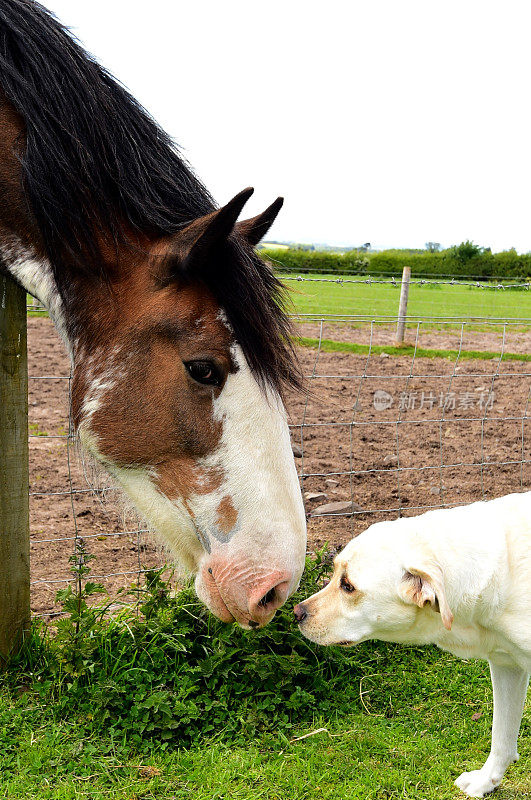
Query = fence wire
x=432 y=299
x=428 y=282
x=382 y=432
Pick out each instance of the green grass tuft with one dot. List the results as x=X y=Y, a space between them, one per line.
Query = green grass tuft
x=330 y=346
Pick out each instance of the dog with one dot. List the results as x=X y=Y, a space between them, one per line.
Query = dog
x=459 y=578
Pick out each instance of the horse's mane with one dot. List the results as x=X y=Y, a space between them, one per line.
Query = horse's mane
x=90 y=147
x=96 y=164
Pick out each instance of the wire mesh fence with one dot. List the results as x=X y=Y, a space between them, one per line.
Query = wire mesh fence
x=382 y=432
x=70 y=499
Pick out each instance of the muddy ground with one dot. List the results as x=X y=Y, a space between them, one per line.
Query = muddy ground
x=436 y=432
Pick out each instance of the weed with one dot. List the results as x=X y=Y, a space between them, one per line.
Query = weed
x=34 y=430
x=171 y=671
x=161 y=700
x=75 y=630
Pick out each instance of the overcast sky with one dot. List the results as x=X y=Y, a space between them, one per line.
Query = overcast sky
x=394 y=122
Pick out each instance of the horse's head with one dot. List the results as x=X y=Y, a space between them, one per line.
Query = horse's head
x=177 y=389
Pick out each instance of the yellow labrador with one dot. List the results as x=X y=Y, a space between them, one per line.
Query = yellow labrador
x=459 y=578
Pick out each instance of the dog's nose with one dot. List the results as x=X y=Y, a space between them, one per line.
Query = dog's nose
x=300 y=613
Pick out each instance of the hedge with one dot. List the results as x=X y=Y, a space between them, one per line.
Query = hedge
x=459 y=262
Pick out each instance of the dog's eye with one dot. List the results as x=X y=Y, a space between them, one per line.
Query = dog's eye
x=346 y=586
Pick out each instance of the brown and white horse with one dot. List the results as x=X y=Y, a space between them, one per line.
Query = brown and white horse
x=179 y=344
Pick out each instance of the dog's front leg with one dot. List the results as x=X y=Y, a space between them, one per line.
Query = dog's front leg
x=509 y=686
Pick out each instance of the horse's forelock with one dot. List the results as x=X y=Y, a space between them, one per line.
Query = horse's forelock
x=255 y=302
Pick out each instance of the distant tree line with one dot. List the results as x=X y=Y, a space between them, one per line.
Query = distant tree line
x=465 y=260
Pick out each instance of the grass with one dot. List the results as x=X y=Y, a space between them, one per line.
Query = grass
x=413 y=734
x=34 y=429
x=84 y=715
x=427 y=301
x=331 y=346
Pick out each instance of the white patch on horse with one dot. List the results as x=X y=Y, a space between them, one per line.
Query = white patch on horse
x=222 y=317
x=169 y=518
x=93 y=397
x=255 y=457
x=110 y=369
x=35 y=275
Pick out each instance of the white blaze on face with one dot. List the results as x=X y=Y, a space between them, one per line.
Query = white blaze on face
x=260 y=480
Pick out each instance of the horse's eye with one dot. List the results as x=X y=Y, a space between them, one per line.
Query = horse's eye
x=205 y=372
x=346 y=586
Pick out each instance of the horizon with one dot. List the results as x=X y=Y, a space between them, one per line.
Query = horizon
x=268 y=243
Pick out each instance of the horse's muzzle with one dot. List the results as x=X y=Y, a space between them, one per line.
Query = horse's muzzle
x=247 y=595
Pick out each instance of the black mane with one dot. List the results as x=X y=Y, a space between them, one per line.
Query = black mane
x=96 y=163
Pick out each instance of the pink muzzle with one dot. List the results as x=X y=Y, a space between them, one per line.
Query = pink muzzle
x=236 y=590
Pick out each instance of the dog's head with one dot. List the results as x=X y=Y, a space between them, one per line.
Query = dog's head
x=375 y=592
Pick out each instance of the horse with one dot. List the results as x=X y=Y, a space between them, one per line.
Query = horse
x=177 y=331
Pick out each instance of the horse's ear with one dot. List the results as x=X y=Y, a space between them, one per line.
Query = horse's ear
x=193 y=245
x=255 y=228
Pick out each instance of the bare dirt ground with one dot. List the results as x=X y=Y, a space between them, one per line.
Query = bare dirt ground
x=397 y=435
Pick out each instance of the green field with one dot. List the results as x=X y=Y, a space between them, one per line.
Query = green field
x=412 y=745
x=428 y=301
x=331 y=346
x=405 y=727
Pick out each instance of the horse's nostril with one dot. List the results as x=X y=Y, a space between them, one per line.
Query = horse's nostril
x=253 y=624
x=267 y=598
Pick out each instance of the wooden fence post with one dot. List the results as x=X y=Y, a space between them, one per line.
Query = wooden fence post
x=14 y=469
x=402 y=308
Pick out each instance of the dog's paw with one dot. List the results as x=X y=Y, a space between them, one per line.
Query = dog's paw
x=477 y=783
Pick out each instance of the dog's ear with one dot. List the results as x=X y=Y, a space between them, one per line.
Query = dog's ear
x=427 y=586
